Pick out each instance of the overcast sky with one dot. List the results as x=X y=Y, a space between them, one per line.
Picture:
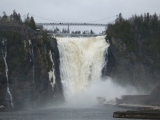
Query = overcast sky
x=79 y=10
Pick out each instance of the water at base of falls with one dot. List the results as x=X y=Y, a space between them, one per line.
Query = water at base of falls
x=81 y=62
x=95 y=113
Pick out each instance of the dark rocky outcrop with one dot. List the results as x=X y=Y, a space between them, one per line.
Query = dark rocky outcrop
x=55 y=55
x=134 y=52
x=152 y=99
x=128 y=68
x=138 y=114
x=28 y=63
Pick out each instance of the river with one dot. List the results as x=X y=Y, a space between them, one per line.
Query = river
x=94 y=113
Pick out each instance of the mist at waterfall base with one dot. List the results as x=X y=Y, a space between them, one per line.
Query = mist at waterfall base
x=81 y=63
x=103 y=88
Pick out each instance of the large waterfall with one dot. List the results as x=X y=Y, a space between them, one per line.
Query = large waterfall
x=81 y=63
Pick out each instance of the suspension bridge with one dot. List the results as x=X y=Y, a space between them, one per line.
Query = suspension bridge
x=72 y=24
x=73 y=33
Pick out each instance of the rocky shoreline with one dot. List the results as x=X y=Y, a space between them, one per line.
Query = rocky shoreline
x=150 y=110
x=138 y=114
x=139 y=106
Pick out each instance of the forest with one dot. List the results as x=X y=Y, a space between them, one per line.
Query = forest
x=16 y=17
x=140 y=33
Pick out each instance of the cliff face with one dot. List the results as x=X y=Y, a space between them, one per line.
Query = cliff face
x=129 y=68
x=28 y=62
x=134 y=51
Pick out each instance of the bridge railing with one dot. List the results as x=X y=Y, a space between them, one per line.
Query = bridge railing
x=72 y=24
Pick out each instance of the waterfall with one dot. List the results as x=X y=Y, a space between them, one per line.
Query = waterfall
x=33 y=66
x=4 y=55
x=31 y=59
x=51 y=72
x=81 y=62
x=33 y=62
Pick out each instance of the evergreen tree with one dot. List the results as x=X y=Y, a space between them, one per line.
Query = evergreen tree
x=16 y=17
x=120 y=17
x=4 y=17
x=27 y=20
x=32 y=23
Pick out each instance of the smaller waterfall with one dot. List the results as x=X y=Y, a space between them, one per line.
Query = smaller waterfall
x=32 y=59
x=51 y=73
x=25 y=48
x=4 y=55
x=33 y=63
x=33 y=66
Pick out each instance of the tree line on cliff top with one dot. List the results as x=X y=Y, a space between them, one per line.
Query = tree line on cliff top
x=16 y=17
x=15 y=38
x=141 y=34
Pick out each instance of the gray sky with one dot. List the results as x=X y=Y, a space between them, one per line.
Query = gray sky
x=80 y=10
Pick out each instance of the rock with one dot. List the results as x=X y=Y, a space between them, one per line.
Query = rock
x=143 y=114
x=28 y=65
x=1 y=106
x=130 y=68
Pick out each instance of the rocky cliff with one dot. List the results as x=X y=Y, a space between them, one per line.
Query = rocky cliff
x=28 y=62
x=128 y=68
x=133 y=55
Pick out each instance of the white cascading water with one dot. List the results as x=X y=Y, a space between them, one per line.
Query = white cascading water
x=32 y=59
x=33 y=63
x=51 y=72
x=81 y=62
x=32 y=54
x=4 y=55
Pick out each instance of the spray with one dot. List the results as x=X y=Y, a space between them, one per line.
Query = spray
x=81 y=62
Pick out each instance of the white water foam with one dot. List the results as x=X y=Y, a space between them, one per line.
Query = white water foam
x=51 y=72
x=81 y=62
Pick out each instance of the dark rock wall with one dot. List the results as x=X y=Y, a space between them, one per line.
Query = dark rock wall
x=28 y=71
x=55 y=55
x=128 y=68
